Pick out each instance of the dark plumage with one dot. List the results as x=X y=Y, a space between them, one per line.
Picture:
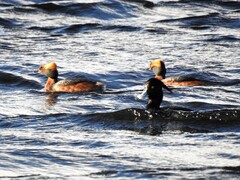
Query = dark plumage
x=155 y=93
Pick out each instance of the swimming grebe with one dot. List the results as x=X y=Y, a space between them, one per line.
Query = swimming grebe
x=158 y=68
x=67 y=85
x=155 y=93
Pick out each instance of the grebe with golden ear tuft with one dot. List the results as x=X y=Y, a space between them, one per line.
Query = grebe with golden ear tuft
x=159 y=69
x=67 y=85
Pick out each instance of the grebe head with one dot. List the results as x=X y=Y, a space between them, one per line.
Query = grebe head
x=49 y=70
x=158 y=68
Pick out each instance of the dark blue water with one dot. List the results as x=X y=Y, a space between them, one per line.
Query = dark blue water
x=110 y=135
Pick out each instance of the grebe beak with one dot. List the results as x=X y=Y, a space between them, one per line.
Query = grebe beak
x=41 y=68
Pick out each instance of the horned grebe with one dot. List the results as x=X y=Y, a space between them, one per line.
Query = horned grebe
x=67 y=85
x=158 y=68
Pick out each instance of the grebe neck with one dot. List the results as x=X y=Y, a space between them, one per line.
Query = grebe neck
x=159 y=77
x=50 y=82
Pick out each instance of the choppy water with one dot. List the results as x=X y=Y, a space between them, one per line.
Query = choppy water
x=110 y=135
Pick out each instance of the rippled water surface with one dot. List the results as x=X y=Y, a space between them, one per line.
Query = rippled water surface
x=110 y=135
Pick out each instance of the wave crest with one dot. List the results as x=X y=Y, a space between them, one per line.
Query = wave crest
x=8 y=78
